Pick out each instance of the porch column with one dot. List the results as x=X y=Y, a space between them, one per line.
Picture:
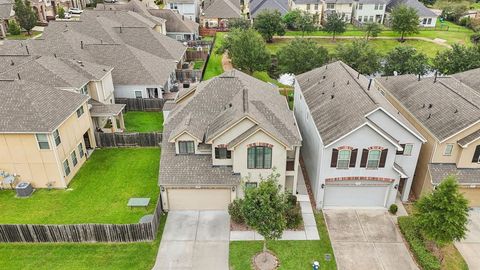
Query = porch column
x=113 y=119
x=2 y=29
x=122 y=122
x=295 y=174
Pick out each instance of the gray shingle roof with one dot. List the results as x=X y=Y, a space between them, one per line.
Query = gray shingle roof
x=303 y=2
x=444 y=107
x=6 y=9
x=28 y=107
x=340 y=1
x=465 y=141
x=257 y=6
x=175 y=22
x=421 y=9
x=222 y=9
x=439 y=171
x=216 y=103
x=100 y=109
x=470 y=78
x=372 y=1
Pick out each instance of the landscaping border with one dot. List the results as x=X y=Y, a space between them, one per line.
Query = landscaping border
x=39 y=233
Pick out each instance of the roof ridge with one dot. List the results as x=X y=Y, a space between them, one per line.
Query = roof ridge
x=452 y=90
x=361 y=87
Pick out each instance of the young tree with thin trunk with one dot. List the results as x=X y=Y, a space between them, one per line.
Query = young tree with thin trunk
x=269 y=23
x=25 y=15
x=404 y=21
x=406 y=60
x=264 y=209
x=335 y=25
x=361 y=56
x=305 y=22
x=371 y=29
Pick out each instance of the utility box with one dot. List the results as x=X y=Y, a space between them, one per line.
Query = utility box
x=24 y=189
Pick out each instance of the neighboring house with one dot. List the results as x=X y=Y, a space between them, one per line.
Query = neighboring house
x=188 y=8
x=177 y=26
x=256 y=7
x=148 y=59
x=230 y=129
x=357 y=150
x=369 y=11
x=6 y=15
x=216 y=13
x=344 y=8
x=74 y=75
x=427 y=17
x=314 y=7
x=446 y=110
x=44 y=133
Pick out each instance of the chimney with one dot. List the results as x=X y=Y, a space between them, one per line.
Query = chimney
x=369 y=83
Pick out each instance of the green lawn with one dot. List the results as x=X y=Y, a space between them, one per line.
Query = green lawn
x=214 y=64
x=143 y=121
x=98 y=193
x=381 y=45
x=475 y=6
x=94 y=256
x=198 y=64
x=23 y=35
x=292 y=254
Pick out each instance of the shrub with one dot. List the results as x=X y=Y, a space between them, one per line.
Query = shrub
x=61 y=12
x=291 y=200
x=235 y=211
x=293 y=216
x=13 y=28
x=425 y=259
x=393 y=209
x=475 y=38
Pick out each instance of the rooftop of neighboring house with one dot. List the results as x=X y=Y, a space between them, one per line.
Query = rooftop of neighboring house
x=216 y=105
x=444 y=106
x=304 y=2
x=174 y=21
x=257 y=6
x=136 y=6
x=224 y=9
x=181 y=1
x=372 y=2
x=465 y=176
x=470 y=78
x=100 y=37
x=29 y=107
x=50 y=70
x=339 y=1
x=421 y=9
x=339 y=99
x=6 y=9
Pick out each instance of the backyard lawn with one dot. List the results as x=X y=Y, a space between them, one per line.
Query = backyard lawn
x=143 y=121
x=98 y=193
x=91 y=256
x=23 y=35
x=292 y=254
x=214 y=64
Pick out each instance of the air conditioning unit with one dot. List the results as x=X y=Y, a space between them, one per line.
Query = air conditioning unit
x=24 y=189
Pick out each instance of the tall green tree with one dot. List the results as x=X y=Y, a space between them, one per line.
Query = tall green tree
x=247 y=50
x=360 y=55
x=406 y=60
x=61 y=12
x=239 y=23
x=269 y=23
x=335 y=25
x=26 y=16
x=442 y=216
x=428 y=2
x=290 y=19
x=404 y=20
x=264 y=209
x=305 y=22
x=457 y=59
x=301 y=55
x=371 y=29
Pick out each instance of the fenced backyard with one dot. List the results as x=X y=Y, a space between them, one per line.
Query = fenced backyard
x=142 y=104
x=123 y=139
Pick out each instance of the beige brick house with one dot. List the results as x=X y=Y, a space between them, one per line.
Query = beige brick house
x=446 y=111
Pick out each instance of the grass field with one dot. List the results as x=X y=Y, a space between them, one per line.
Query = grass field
x=292 y=254
x=23 y=36
x=91 y=256
x=143 y=121
x=97 y=194
x=214 y=64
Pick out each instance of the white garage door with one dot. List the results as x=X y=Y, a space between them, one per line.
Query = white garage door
x=198 y=199
x=355 y=196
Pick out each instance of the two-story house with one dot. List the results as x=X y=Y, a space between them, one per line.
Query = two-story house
x=223 y=136
x=369 y=11
x=446 y=111
x=315 y=7
x=357 y=150
x=190 y=9
x=44 y=133
x=344 y=8
x=427 y=18
x=256 y=7
x=216 y=13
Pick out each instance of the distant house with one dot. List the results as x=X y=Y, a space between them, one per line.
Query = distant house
x=6 y=14
x=344 y=8
x=177 y=26
x=357 y=149
x=427 y=17
x=446 y=111
x=314 y=7
x=216 y=13
x=188 y=8
x=255 y=7
x=230 y=129
x=368 y=11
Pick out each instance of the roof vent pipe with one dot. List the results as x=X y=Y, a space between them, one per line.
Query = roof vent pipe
x=81 y=44
x=435 y=78
x=26 y=47
x=18 y=75
x=12 y=63
x=418 y=77
x=369 y=84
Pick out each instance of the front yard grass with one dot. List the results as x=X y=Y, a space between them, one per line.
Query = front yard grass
x=98 y=193
x=214 y=65
x=292 y=254
x=143 y=121
x=91 y=256
x=23 y=35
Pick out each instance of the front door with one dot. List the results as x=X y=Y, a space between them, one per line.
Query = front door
x=86 y=140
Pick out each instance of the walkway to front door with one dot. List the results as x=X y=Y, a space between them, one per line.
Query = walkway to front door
x=195 y=240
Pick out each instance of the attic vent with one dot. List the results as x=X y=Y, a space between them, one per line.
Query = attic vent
x=324 y=77
x=333 y=84
x=423 y=106
x=430 y=105
x=348 y=82
x=456 y=111
x=429 y=115
x=332 y=96
x=12 y=63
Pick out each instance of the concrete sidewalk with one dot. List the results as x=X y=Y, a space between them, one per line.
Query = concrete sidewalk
x=470 y=246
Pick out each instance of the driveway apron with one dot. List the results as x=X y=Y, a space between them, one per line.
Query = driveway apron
x=470 y=246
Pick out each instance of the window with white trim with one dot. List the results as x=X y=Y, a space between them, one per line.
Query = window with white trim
x=186 y=147
x=138 y=94
x=66 y=167
x=80 y=150
x=222 y=153
x=56 y=137
x=407 y=149
x=80 y=111
x=343 y=160
x=73 y=155
x=42 y=140
x=259 y=157
x=360 y=6
x=448 y=149
x=250 y=185
x=373 y=159
x=330 y=6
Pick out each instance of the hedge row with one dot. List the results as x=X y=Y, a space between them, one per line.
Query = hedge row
x=417 y=245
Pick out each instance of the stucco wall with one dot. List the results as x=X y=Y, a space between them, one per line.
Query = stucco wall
x=128 y=91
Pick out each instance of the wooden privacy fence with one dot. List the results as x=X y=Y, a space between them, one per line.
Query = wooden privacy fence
x=123 y=139
x=190 y=75
x=38 y=233
x=142 y=104
x=196 y=55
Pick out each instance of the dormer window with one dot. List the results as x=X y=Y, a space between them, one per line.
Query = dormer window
x=186 y=147
x=222 y=153
x=259 y=157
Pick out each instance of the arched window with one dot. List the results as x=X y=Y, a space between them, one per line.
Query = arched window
x=259 y=157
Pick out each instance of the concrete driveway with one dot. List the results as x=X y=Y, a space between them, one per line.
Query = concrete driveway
x=195 y=240
x=367 y=239
x=470 y=247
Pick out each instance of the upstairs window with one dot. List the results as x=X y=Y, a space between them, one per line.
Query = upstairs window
x=222 y=153
x=330 y=6
x=315 y=6
x=343 y=159
x=373 y=159
x=360 y=6
x=42 y=140
x=448 y=150
x=308 y=6
x=73 y=155
x=84 y=90
x=259 y=157
x=186 y=147
x=407 y=149
x=80 y=112
x=56 y=137
x=66 y=167
x=80 y=150
x=476 y=155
